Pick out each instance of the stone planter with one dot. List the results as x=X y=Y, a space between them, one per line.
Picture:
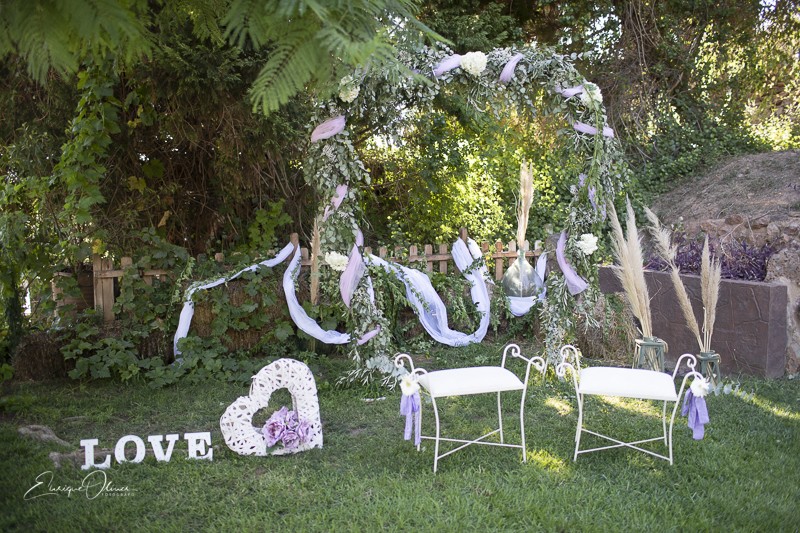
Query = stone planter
x=750 y=332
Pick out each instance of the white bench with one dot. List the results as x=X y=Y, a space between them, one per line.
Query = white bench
x=474 y=380
x=624 y=383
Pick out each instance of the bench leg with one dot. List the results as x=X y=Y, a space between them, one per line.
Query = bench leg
x=580 y=427
x=500 y=418
x=436 y=440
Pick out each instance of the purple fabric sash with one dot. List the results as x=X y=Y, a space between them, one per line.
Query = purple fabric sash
x=329 y=128
x=575 y=283
x=410 y=407
x=696 y=408
x=508 y=70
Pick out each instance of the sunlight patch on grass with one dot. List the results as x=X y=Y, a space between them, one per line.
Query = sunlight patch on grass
x=546 y=460
x=562 y=407
x=774 y=409
x=634 y=406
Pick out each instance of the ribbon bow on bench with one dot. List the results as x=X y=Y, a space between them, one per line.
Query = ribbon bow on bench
x=410 y=407
x=694 y=404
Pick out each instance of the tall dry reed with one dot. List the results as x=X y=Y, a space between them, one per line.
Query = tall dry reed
x=710 y=275
x=627 y=248
x=524 y=202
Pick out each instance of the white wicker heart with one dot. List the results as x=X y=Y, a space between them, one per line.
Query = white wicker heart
x=236 y=423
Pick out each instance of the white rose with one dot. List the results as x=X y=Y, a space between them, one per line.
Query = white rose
x=700 y=387
x=348 y=91
x=409 y=385
x=587 y=244
x=474 y=63
x=348 y=95
x=592 y=91
x=336 y=261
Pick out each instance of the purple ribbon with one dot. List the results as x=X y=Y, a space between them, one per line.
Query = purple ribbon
x=410 y=407
x=591 y=130
x=329 y=128
x=336 y=201
x=575 y=283
x=366 y=337
x=572 y=91
x=698 y=414
x=447 y=64
x=508 y=70
x=352 y=275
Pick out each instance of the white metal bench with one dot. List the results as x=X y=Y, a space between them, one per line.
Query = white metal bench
x=474 y=380
x=624 y=383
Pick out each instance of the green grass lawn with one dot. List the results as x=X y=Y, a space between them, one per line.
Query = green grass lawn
x=745 y=475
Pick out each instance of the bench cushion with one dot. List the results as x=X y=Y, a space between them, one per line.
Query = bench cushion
x=627 y=383
x=472 y=380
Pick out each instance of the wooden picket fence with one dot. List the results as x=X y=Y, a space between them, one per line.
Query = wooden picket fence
x=436 y=257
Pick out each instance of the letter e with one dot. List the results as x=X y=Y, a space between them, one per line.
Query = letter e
x=197 y=445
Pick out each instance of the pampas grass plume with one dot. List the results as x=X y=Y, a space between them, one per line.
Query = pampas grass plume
x=628 y=252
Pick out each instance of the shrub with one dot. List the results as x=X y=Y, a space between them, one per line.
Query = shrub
x=739 y=260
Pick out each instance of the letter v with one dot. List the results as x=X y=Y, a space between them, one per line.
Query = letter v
x=158 y=451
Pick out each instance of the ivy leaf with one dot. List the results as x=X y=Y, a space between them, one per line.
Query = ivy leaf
x=283 y=331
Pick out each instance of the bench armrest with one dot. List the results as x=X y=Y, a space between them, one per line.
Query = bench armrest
x=399 y=362
x=537 y=362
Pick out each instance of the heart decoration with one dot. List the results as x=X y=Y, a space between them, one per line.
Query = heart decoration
x=236 y=423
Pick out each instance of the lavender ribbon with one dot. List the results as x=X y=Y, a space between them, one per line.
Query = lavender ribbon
x=508 y=70
x=352 y=275
x=572 y=91
x=410 y=407
x=575 y=283
x=336 y=201
x=697 y=410
x=447 y=64
x=582 y=127
x=329 y=128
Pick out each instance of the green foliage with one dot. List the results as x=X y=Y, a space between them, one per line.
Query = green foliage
x=313 y=42
x=262 y=231
x=81 y=167
x=58 y=34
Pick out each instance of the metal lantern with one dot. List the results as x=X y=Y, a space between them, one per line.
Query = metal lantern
x=649 y=353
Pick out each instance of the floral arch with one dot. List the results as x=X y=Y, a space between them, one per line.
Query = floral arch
x=490 y=81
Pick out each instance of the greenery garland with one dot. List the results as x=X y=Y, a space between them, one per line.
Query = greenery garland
x=376 y=102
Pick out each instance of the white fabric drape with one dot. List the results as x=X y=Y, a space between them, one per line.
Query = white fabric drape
x=299 y=315
x=187 y=312
x=430 y=309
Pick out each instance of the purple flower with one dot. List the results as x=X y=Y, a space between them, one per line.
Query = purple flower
x=291 y=421
x=290 y=439
x=592 y=196
x=608 y=132
x=303 y=431
x=273 y=431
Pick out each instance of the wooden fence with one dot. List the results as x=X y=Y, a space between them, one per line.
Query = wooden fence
x=105 y=274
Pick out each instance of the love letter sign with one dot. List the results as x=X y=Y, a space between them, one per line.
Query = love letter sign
x=199 y=446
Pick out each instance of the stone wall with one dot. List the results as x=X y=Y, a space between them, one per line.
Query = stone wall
x=750 y=332
x=783 y=234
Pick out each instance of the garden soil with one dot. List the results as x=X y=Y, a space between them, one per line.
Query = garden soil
x=754 y=198
x=755 y=187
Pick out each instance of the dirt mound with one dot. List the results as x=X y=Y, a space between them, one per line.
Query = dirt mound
x=754 y=186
